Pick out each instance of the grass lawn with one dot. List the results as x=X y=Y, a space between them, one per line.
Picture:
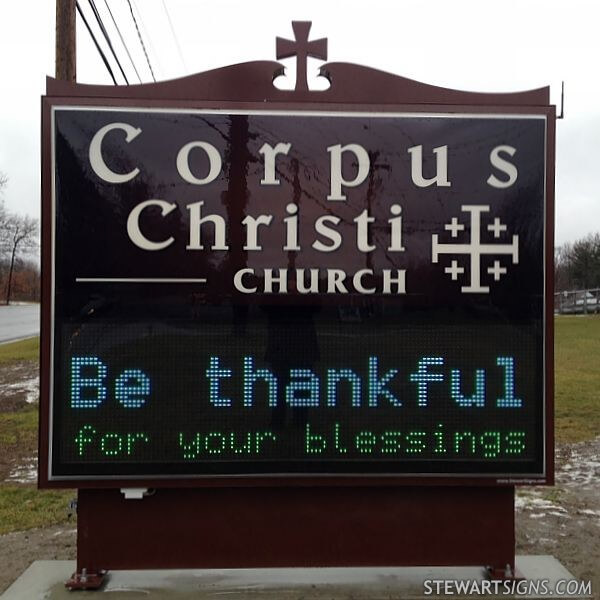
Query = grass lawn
x=28 y=349
x=577 y=377
x=19 y=429
x=577 y=404
x=24 y=507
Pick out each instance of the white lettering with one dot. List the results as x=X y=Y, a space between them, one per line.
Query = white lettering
x=362 y=231
x=396 y=229
x=214 y=160
x=95 y=154
x=337 y=179
x=133 y=225
x=504 y=166
x=335 y=281
x=357 y=281
x=330 y=234
x=196 y=221
x=252 y=224
x=314 y=281
x=270 y=153
x=399 y=281
x=416 y=167
x=280 y=280
x=291 y=222
x=239 y=284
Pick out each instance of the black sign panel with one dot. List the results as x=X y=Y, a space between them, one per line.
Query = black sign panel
x=255 y=292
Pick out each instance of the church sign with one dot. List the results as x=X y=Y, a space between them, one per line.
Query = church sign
x=295 y=289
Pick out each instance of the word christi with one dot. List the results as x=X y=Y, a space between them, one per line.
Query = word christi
x=327 y=237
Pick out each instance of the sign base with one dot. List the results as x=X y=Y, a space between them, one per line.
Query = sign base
x=246 y=527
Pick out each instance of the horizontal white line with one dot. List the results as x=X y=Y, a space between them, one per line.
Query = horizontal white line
x=299 y=113
x=138 y=280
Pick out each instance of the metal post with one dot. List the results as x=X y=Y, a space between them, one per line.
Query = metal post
x=65 y=40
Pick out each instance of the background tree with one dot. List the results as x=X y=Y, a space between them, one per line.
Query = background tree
x=585 y=262
x=3 y=217
x=562 y=267
x=20 y=237
x=3 y=182
x=577 y=264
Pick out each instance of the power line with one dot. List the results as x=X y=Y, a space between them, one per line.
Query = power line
x=174 y=36
x=106 y=63
x=146 y=33
x=122 y=41
x=107 y=38
x=141 y=40
x=104 y=31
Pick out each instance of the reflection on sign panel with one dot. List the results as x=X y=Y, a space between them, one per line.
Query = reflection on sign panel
x=254 y=292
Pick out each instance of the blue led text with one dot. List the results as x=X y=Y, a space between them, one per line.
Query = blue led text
x=508 y=400
x=423 y=377
x=374 y=387
x=478 y=397
x=89 y=388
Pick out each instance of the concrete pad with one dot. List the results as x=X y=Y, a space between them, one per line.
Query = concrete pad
x=39 y=577
x=45 y=580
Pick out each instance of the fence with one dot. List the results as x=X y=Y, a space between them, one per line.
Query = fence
x=580 y=302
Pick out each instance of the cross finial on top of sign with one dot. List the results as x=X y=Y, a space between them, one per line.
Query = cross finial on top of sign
x=302 y=49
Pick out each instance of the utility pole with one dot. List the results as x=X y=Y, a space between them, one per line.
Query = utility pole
x=65 y=40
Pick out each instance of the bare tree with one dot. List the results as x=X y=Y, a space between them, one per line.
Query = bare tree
x=585 y=261
x=563 y=273
x=19 y=233
x=3 y=213
x=3 y=219
x=577 y=264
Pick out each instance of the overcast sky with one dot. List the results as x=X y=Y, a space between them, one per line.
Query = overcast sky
x=474 y=45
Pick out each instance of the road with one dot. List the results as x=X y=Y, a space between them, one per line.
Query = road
x=19 y=321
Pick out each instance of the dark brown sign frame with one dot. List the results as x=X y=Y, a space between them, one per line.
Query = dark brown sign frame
x=232 y=480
